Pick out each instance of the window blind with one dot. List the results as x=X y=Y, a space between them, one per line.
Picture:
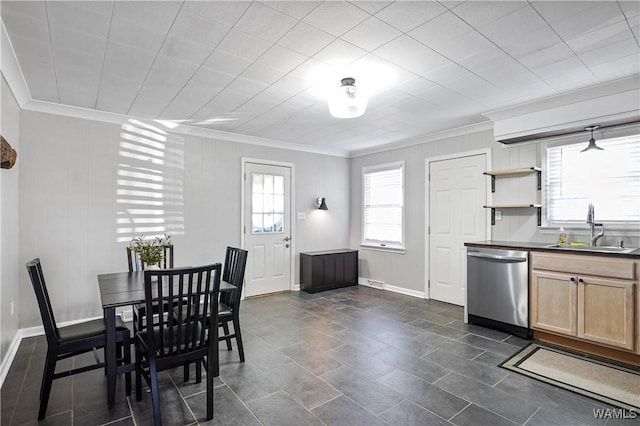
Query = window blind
x=609 y=179
x=383 y=188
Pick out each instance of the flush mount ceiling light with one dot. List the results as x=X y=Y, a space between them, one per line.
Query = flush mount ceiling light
x=592 y=141
x=348 y=101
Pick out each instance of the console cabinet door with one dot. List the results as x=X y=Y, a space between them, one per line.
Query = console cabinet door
x=553 y=302
x=606 y=311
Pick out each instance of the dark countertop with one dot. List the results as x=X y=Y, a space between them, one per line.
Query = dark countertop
x=520 y=245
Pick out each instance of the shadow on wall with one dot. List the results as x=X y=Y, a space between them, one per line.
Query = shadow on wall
x=150 y=186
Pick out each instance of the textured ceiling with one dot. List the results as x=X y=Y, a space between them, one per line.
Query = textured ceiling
x=264 y=68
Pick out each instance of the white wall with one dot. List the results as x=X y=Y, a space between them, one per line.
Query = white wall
x=406 y=270
x=70 y=216
x=522 y=224
x=9 y=243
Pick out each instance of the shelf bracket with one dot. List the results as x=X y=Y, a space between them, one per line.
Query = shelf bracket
x=539 y=214
x=493 y=183
x=539 y=173
x=493 y=215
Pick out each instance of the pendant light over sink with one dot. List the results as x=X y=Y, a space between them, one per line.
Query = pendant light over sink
x=348 y=101
x=592 y=141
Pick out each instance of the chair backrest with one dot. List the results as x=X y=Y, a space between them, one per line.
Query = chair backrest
x=235 y=262
x=190 y=295
x=136 y=264
x=34 y=268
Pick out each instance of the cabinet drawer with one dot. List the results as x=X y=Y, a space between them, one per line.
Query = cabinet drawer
x=584 y=265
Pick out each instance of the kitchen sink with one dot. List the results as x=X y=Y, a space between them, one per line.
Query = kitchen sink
x=598 y=249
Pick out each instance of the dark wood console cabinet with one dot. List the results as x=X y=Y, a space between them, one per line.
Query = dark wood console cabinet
x=324 y=270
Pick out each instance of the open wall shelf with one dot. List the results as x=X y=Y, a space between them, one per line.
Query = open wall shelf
x=514 y=172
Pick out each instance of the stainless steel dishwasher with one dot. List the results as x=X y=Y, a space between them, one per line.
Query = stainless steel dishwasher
x=498 y=289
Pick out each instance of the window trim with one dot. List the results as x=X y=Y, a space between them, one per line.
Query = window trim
x=606 y=133
x=384 y=245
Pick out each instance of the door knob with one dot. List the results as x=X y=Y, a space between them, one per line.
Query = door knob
x=287 y=238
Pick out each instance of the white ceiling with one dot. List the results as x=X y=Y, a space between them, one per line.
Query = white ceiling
x=259 y=67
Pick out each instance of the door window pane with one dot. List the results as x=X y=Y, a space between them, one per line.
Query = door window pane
x=267 y=206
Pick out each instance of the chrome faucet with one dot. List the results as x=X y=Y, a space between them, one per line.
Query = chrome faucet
x=591 y=220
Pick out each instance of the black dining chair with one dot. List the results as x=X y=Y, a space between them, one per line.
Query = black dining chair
x=235 y=262
x=76 y=339
x=136 y=265
x=188 y=298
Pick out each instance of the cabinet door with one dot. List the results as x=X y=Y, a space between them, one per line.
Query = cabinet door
x=606 y=311
x=553 y=302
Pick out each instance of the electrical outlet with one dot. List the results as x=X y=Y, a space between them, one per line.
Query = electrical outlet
x=12 y=308
x=498 y=214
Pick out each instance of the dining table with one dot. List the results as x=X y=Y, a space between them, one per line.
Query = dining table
x=121 y=289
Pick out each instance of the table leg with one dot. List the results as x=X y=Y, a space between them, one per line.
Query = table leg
x=110 y=354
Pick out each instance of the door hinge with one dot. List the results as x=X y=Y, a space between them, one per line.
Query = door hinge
x=429 y=284
x=244 y=229
x=428 y=230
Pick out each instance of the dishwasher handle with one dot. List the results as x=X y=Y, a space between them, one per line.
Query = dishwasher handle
x=496 y=257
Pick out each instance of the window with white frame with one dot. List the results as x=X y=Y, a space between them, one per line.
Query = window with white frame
x=383 y=206
x=610 y=179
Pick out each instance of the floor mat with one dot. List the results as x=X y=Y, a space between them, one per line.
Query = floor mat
x=608 y=382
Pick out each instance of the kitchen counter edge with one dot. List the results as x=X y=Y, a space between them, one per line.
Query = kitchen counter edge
x=519 y=245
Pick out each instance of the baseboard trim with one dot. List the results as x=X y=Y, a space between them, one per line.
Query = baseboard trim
x=296 y=287
x=24 y=333
x=9 y=356
x=388 y=287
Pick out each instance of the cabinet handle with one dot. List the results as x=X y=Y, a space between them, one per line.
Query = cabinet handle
x=580 y=280
x=573 y=279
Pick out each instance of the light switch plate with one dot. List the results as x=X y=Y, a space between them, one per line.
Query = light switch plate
x=302 y=216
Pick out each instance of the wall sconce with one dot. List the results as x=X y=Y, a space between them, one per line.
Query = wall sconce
x=322 y=203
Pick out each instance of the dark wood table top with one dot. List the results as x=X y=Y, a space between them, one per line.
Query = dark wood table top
x=127 y=288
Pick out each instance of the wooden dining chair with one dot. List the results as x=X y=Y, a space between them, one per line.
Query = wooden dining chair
x=235 y=262
x=76 y=339
x=188 y=298
x=136 y=265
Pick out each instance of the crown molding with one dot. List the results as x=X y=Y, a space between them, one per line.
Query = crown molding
x=11 y=70
x=425 y=138
x=115 y=118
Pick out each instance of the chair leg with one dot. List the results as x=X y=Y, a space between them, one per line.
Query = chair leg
x=186 y=371
x=236 y=330
x=127 y=360
x=47 y=381
x=155 y=392
x=209 y=387
x=198 y=371
x=138 y=374
x=225 y=328
x=44 y=376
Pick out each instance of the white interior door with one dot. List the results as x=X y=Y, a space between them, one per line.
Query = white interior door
x=457 y=193
x=267 y=228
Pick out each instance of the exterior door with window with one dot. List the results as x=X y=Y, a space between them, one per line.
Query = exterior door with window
x=457 y=193
x=267 y=228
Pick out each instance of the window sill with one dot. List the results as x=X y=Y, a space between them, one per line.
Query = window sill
x=388 y=249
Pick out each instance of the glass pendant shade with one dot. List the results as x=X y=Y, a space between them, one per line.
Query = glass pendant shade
x=348 y=101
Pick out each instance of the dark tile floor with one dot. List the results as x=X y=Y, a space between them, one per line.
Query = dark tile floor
x=354 y=356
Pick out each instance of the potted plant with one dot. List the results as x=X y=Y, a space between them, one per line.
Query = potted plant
x=151 y=251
